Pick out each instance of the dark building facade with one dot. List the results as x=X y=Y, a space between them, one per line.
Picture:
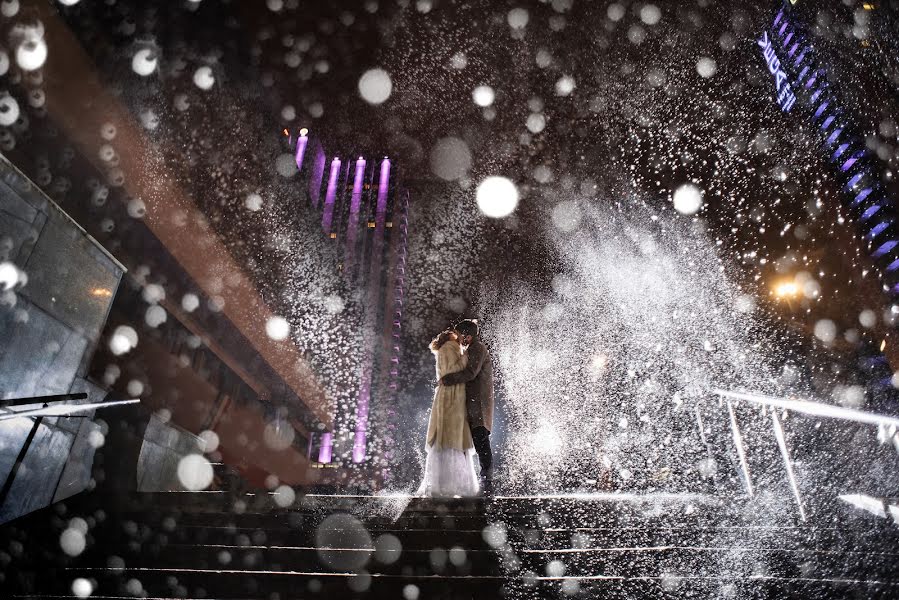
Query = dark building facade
x=55 y=295
x=365 y=214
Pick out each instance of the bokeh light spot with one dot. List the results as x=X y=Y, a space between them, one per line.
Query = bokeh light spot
x=497 y=197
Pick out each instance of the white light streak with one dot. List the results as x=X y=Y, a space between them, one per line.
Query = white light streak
x=65 y=409
x=741 y=451
x=788 y=464
x=875 y=506
x=817 y=409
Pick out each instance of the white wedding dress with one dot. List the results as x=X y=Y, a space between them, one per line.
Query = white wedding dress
x=449 y=467
x=449 y=473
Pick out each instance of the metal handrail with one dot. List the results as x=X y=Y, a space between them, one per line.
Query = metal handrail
x=808 y=407
x=42 y=399
x=63 y=411
x=38 y=415
x=818 y=409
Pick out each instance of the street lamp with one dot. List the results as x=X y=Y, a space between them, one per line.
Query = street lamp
x=786 y=290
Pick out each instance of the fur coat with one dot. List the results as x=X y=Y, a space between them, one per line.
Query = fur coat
x=448 y=425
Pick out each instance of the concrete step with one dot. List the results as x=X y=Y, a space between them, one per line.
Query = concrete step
x=258 y=585
x=262 y=583
x=611 y=546
x=723 y=561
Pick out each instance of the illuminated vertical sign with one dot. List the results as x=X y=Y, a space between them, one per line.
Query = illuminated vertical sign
x=374 y=292
x=301 y=148
x=330 y=196
x=380 y=307
x=785 y=96
x=845 y=149
x=352 y=230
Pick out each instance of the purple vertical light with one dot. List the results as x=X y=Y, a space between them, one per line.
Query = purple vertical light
x=869 y=213
x=324 y=452
x=834 y=136
x=811 y=81
x=301 y=149
x=328 y=214
x=884 y=249
x=357 y=184
x=878 y=229
x=852 y=160
x=862 y=196
x=353 y=222
x=382 y=187
x=318 y=173
x=360 y=439
x=374 y=287
x=855 y=179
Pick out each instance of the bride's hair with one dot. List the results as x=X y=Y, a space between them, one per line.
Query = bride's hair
x=440 y=340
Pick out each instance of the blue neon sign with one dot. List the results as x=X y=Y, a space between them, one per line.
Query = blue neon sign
x=785 y=96
x=865 y=199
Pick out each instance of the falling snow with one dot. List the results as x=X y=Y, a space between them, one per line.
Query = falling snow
x=609 y=187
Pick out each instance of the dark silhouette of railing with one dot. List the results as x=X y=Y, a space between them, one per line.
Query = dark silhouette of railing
x=38 y=414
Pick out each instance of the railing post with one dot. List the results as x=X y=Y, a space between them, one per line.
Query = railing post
x=741 y=451
x=782 y=443
x=702 y=436
x=11 y=478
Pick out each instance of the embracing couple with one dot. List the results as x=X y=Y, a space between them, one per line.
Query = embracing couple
x=461 y=416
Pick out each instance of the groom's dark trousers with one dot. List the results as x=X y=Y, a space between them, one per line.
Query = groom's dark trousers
x=481 y=438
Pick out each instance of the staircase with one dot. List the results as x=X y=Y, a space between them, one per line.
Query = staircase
x=212 y=545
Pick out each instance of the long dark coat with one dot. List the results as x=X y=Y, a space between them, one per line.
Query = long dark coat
x=478 y=379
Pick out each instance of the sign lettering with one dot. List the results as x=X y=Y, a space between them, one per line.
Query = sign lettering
x=785 y=96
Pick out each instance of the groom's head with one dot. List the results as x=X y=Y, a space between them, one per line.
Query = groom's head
x=467 y=331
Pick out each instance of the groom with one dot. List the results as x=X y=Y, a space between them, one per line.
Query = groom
x=478 y=379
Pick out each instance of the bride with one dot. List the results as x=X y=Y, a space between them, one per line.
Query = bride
x=449 y=468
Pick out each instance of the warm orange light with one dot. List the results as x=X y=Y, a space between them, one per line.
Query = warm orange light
x=101 y=292
x=286 y=132
x=883 y=344
x=786 y=289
